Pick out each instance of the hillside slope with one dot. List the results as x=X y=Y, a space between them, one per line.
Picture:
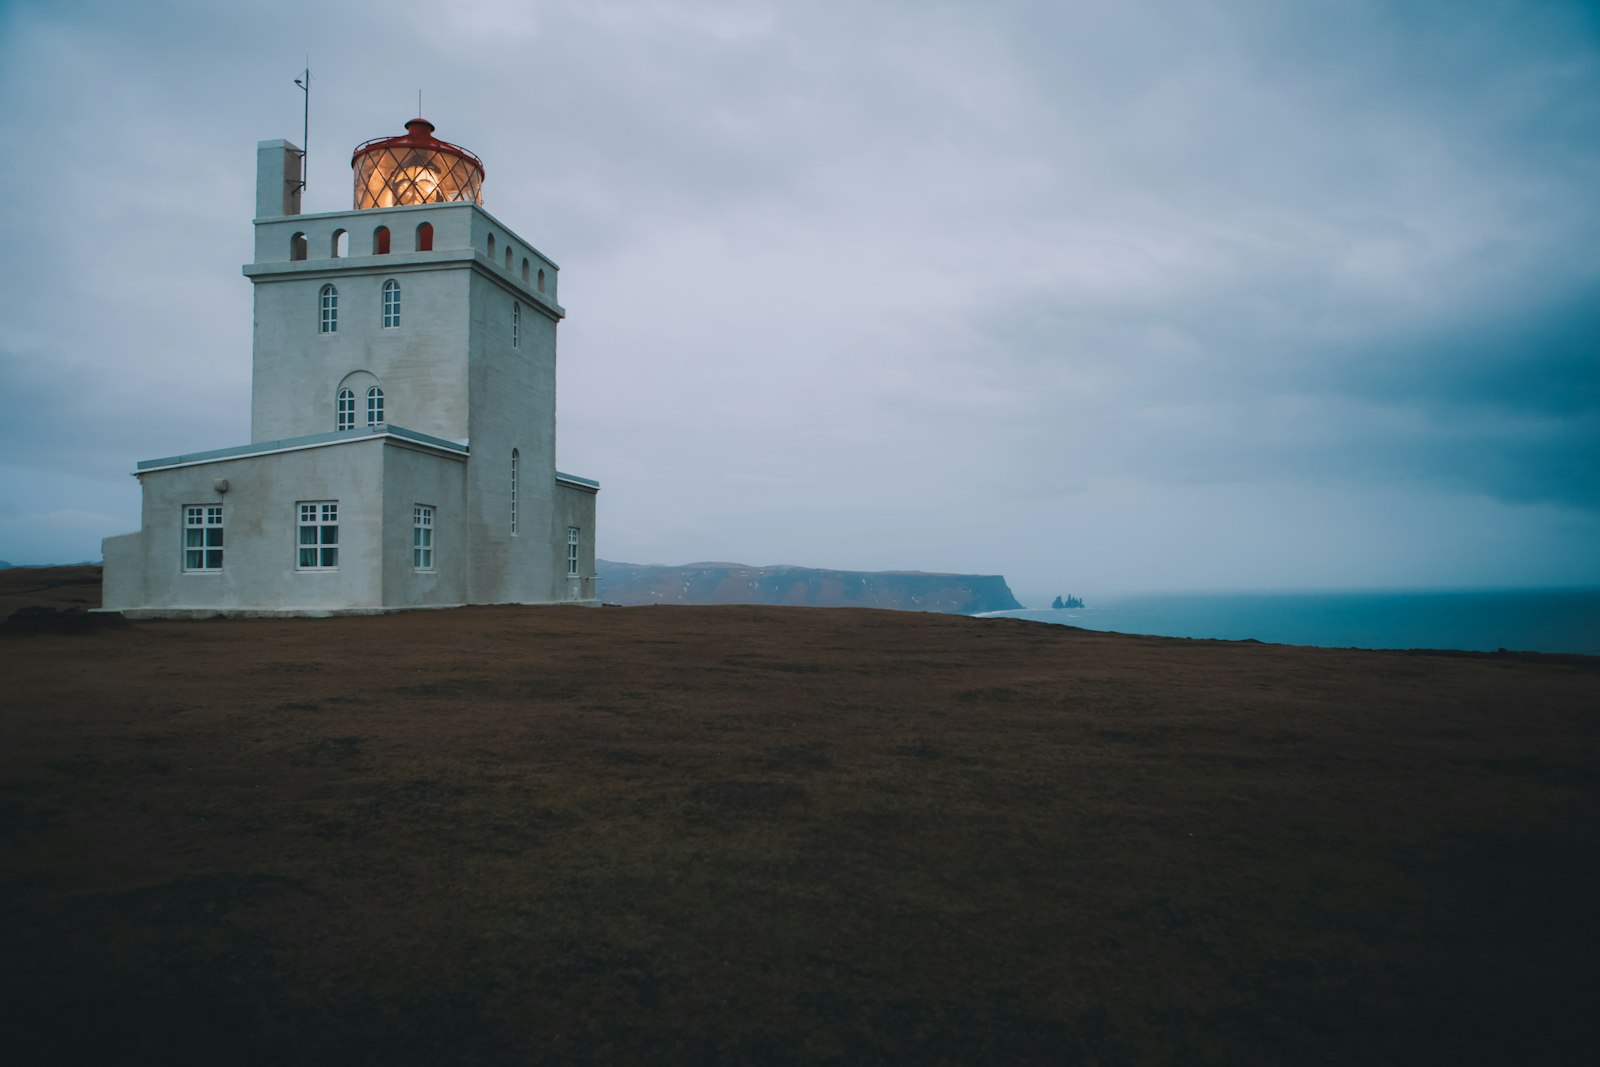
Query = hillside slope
x=739 y=583
x=552 y=835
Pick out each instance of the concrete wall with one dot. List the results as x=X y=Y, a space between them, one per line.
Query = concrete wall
x=376 y=482
x=122 y=580
x=277 y=179
x=260 y=531
x=513 y=406
x=574 y=507
x=493 y=240
x=457 y=228
x=421 y=365
x=452 y=231
x=412 y=477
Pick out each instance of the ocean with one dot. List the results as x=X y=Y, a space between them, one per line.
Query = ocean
x=1483 y=621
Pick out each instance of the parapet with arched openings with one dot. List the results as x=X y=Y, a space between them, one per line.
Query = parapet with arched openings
x=409 y=219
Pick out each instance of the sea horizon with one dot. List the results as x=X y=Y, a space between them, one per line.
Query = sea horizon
x=1550 y=619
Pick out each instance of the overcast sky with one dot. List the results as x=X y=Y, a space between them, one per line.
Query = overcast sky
x=1100 y=297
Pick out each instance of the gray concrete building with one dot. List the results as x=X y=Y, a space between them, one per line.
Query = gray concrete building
x=402 y=420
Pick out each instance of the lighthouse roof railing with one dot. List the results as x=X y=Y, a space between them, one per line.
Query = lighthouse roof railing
x=415 y=139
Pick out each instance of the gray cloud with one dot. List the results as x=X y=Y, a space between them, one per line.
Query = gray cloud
x=1052 y=289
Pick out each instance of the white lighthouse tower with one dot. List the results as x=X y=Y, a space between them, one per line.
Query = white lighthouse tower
x=402 y=417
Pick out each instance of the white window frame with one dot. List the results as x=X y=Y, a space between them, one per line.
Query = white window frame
x=514 y=457
x=374 y=406
x=319 y=519
x=516 y=324
x=344 y=410
x=391 y=304
x=202 y=554
x=573 y=534
x=328 y=307
x=422 y=537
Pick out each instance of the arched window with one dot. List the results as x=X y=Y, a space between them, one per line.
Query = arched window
x=524 y=270
x=491 y=246
x=380 y=241
x=297 y=247
x=374 y=406
x=345 y=410
x=516 y=325
x=425 y=237
x=391 y=304
x=330 y=310
x=508 y=257
x=513 y=490
x=340 y=244
x=541 y=279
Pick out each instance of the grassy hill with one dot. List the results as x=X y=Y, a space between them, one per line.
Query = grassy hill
x=767 y=835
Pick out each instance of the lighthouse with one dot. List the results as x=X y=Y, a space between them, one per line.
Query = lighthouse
x=402 y=446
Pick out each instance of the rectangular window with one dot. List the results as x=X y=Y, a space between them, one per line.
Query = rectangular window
x=318 y=541
x=572 y=551
x=202 y=537
x=513 y=491
x=422 y=537
x=516 y=325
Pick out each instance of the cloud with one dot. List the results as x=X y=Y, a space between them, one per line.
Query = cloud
x=872 y=285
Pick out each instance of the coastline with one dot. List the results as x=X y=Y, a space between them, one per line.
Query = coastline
x=1557 y=621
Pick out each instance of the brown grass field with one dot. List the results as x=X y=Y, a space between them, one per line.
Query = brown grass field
x=768 y=835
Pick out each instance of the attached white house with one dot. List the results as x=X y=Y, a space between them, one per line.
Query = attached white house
x=403 y=414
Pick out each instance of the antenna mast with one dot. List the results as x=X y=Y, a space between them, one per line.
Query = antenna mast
x=304 y=83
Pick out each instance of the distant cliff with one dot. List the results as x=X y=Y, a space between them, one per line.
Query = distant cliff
x=737 y=583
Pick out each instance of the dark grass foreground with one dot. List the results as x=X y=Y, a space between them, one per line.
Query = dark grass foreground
x=763 y=835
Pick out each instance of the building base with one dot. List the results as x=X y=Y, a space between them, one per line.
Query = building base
x=140 y=614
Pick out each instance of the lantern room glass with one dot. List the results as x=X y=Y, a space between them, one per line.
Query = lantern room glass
x=415 y=168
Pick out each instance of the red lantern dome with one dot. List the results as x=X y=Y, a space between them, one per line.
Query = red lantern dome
x=415 y=168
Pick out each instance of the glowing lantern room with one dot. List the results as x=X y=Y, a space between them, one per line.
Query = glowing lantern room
x=415 y=168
